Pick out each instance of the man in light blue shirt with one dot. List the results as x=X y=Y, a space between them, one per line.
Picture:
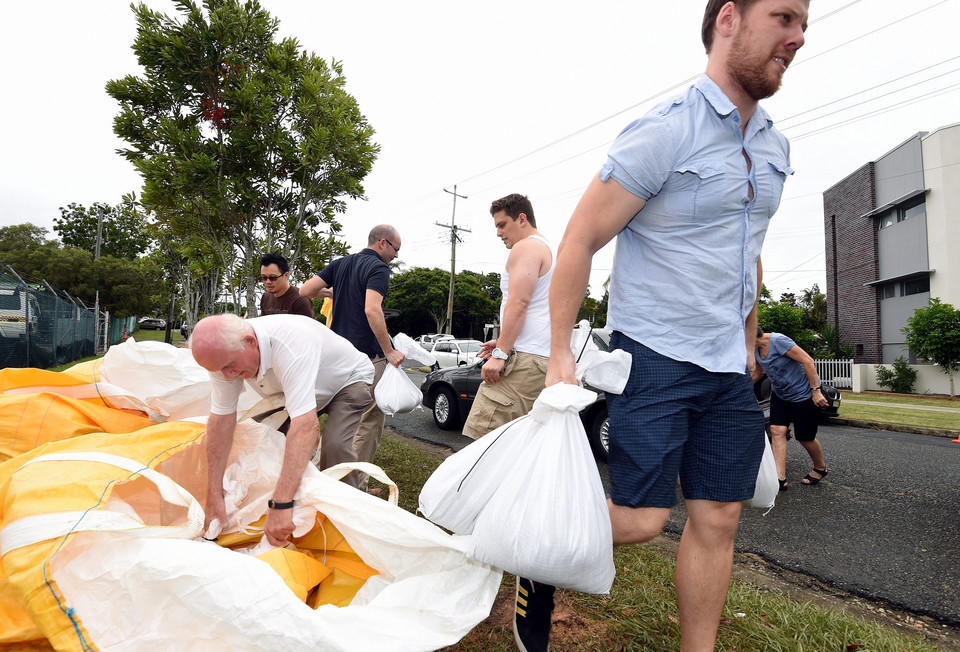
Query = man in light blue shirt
x=688 y=191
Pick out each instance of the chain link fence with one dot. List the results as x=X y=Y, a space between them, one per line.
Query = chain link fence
x=40 y=328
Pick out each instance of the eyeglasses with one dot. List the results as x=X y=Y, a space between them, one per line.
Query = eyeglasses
x=272 y=278
x=395 y=247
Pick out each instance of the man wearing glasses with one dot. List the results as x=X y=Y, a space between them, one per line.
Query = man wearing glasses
x=280 y=297
x=360 y=282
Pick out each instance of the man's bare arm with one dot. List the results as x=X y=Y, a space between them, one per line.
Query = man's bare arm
x=219 y=439
x=315 y=287
x=603 y=211
x=750 y=329
x=301 y=442
x=373 y=308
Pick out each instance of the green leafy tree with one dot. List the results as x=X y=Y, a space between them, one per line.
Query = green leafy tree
x=18 y=241
x=933 y=334
x=123 y=228
x=250 y=142
x=420 y=294
x=474 y=304
x=780 y=317
x=813 y=302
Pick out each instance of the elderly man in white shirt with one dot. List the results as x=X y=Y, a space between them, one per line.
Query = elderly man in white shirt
x=318 y=372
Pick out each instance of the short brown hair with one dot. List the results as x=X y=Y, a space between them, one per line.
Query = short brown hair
x=513 y=205
x=710 y=18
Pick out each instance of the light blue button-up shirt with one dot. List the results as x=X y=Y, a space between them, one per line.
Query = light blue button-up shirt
x=685 y=267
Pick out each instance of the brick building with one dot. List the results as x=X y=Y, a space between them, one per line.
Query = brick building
x=892 y=238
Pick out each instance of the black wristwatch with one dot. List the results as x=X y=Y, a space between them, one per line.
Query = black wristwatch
x=272 y=504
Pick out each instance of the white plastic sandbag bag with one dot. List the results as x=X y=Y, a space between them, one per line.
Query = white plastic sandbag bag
x=765 y=492
x=395 y=393
x=548 y=520
x=461 y=486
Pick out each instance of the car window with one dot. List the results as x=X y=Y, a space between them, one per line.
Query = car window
x=470 y=347
x=442 y=348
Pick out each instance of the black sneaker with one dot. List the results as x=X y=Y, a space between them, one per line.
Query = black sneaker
x=531 y=619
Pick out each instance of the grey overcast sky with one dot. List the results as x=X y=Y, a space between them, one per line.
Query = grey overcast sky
x=495 y=97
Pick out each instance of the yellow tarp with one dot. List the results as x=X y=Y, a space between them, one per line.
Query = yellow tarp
x=324 y=569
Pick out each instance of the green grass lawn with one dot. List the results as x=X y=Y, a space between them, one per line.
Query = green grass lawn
x=641 y=611
x=880 y=408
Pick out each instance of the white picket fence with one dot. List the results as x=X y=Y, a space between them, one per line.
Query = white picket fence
x=838 y=373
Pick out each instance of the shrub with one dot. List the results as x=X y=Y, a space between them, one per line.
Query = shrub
x=900 y=380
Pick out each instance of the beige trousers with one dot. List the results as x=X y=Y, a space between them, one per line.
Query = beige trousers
x=520 y=384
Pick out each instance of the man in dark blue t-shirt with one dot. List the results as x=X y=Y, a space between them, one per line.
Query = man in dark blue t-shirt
x=360 y=283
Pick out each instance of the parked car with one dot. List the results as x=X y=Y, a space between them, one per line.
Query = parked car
x=449 y=394
x=427 y=341
x=456 y=353
x=152 y=323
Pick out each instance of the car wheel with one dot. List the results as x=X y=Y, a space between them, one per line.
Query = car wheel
x=445 y=412
x=599 y=434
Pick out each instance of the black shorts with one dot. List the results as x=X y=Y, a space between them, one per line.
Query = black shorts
x=805 y=416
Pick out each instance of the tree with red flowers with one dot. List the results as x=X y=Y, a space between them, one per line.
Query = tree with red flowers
x=245 y=143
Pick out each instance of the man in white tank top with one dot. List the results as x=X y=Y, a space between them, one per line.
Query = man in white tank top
x=517 y=360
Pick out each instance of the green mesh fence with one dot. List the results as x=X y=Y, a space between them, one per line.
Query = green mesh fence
x=41 y=329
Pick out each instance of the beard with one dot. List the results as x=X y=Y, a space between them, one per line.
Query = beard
x=748 y=68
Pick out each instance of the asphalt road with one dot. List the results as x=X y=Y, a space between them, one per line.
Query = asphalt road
x=884 y=524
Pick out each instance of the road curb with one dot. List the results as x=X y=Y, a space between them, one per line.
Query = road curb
x=874 y=425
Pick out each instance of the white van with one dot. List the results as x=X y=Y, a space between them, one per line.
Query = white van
x=19 y=312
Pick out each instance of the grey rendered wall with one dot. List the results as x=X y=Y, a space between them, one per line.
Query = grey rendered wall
x=903 y=247
x=900 y=171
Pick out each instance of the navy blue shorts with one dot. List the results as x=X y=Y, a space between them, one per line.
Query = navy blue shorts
x=805 y=416
x=676 y=419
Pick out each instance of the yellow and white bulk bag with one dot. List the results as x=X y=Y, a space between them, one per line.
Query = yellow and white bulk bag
x=98 y=542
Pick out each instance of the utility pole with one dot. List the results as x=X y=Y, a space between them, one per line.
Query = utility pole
x=454 y=229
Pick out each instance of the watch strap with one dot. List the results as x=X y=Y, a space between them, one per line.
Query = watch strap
x=272 y=504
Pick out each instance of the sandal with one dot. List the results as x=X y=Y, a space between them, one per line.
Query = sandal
x=810 y=480
x=783 y=484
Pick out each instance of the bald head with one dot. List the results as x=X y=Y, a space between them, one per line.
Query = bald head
x=227 y=344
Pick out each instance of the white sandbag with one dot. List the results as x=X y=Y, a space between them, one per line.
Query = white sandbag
x=413 y=351
x=768 y=485
x=396 y=393
x=548 y=520
x=606 y=371
x=461 y=486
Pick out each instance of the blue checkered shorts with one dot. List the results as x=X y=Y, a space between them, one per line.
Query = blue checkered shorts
x=677 y=419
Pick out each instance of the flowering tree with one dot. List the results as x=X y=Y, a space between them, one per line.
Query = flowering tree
x=246 y=144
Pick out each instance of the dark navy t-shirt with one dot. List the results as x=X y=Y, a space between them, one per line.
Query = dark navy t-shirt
x=351 y=277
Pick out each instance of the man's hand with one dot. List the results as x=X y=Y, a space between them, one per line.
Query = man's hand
x=491 y=370
x=279 y=526
x=486 y=349
x=395 y=358
x=561 y=368
x=215 y=510
x=819 y=399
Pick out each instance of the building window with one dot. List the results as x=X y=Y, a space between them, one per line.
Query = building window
x=888 y=220
x=888 y=291
x=916 y=286
x=910 y=211
x=859 y=353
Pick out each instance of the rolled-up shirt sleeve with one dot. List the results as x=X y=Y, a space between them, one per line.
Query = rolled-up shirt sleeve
x=225 y=393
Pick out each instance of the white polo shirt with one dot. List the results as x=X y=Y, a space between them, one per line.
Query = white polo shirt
x=299 y=357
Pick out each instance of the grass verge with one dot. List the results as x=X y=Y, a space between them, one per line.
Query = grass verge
x=641 y=611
